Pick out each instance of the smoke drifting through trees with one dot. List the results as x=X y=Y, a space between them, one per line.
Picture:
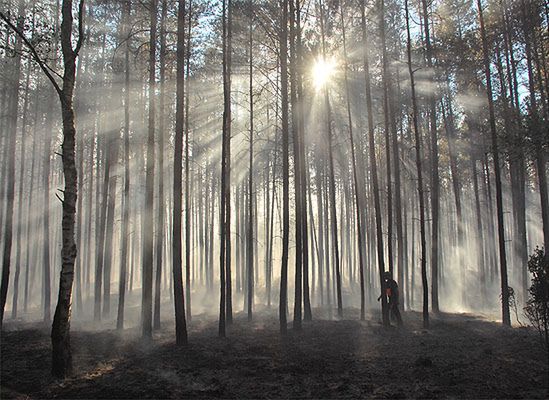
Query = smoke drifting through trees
x=322 y=141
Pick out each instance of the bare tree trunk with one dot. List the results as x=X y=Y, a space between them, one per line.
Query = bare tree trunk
x=188 y=264
x=31 y=225
x=147 y=222
x=113 y=161
x=60 y=333
x=373 y=166
x=285 y=167
x=160 y=216
x=419 y=175
x=320 y=239
x=80 y=157
x=18 y=257
x=126 y=12
x=499 y=196
x=298 y=281
x=228 y=279
x=179 y=297
x=250 y=233
x=11 y=143
x=448 y=116
x=386 y=118
x=355 y=176
x=435 y=188
x=332 y=187
x=303 y=171
x=225 y=312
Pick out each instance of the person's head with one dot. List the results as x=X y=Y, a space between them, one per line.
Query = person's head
x=387 y=275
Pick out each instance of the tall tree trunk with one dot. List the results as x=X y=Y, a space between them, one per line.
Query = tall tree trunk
x=373 y=166
x=179 y=297
x=11 y=143
x=228 y=279
x=386 y=119
x=113 y=157
x=354 y=166
x=18 y=256
x=332 y=187
x=147 y=221
x=188 y=264
x=298 y=282
x=31 y=225
x=537 y=126
x=100 y=231
x=448 y=117
x=225 y=314
x=126 y=12
x=60 y=333
x=417 y=136
x=499 y=196
x=160 y=216
x=285 y=167
x=303 y=168
x=435 y=188
x=250 y=237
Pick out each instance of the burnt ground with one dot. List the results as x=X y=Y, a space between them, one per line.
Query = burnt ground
x=461 y=356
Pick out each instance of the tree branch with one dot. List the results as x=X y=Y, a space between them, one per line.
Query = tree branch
x=35 y=55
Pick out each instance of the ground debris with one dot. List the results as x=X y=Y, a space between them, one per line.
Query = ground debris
x=456 y=358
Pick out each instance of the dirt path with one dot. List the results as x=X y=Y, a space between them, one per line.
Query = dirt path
x=460 y=357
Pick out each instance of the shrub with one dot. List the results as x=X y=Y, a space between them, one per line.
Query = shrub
x=537 y=307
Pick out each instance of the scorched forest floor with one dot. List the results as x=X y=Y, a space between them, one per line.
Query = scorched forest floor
x=461 y=356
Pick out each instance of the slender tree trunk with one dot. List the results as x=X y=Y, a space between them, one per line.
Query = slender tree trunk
x=188 y=264
x=228 y=279
x=417 y=136
x=147 y=221
x=373 y=171
x=31 y=225
x=18 y=257
x=179 y=297
x=11 y=143
x=332 y=187
x=113 y=157
x=304 y=170
x=160 y=216
x=499 y=196
x=435 y=188
x=126 y=12
x=250 y=233
x=298 y=281
x=225 y=313
x=448 y=117
x=285 y=167
x=386 y=119
x=60 y=333
x=354 y=166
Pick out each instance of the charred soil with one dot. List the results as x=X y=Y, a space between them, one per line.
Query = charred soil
x=461 y=356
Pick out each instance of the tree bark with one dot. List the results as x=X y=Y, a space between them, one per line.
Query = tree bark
x=147 y=221
x=373 y=166
x=179 y=297
x=499 y=196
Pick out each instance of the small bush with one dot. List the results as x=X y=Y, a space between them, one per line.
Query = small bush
x=537 y=307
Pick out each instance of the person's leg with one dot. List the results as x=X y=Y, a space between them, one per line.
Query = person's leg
x=392 y=312
x=396 y=313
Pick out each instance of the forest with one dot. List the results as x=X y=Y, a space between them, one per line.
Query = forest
x=274 y=198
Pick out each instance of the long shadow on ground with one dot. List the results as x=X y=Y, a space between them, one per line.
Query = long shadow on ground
x=459 y=357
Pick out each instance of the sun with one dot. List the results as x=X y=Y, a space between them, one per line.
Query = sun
x=322 y=72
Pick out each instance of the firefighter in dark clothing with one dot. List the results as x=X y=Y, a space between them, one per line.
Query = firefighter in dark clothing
x=390 y=289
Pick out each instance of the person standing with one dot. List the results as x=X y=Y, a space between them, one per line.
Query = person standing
x=390 y=289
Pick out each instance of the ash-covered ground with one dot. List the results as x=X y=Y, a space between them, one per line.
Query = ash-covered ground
x=460 y=356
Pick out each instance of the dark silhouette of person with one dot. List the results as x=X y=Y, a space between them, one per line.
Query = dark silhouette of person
x=390 y=289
